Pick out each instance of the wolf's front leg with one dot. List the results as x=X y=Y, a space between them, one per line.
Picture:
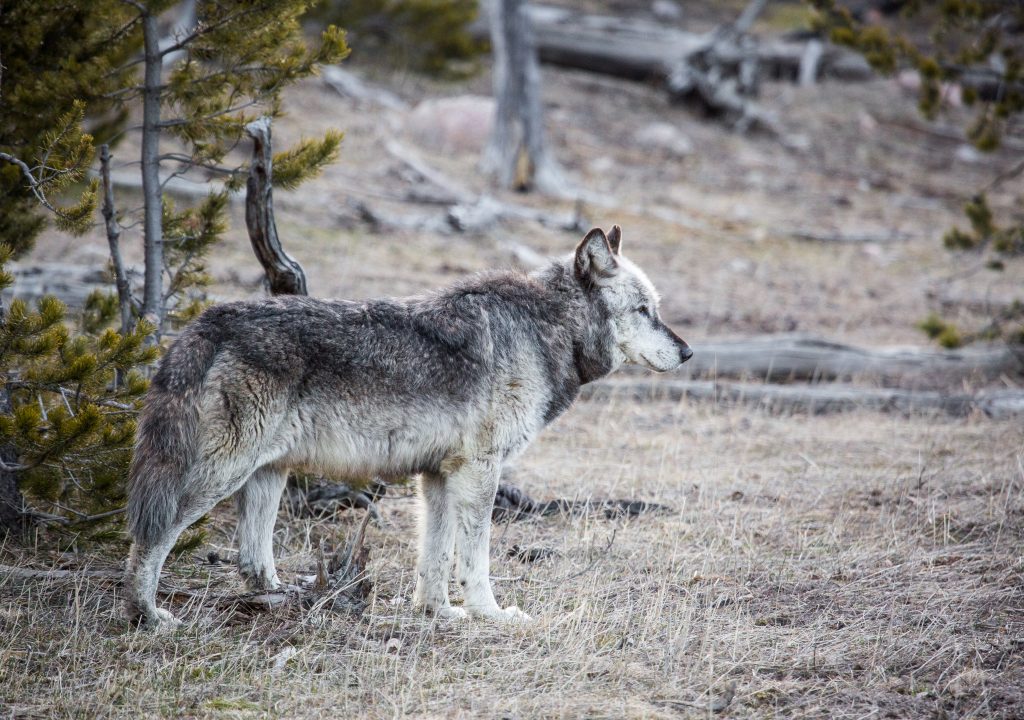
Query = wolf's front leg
x=437 y=546
x=258 y=502
x=472 y=487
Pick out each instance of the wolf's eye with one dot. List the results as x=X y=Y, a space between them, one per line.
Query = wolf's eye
x=644 y=310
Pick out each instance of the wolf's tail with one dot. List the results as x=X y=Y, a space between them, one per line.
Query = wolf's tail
x=166 y=442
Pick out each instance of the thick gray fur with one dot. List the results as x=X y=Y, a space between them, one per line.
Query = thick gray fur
x=447 y=385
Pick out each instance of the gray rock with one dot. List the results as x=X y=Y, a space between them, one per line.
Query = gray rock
x=664 y=137
x=666 y=10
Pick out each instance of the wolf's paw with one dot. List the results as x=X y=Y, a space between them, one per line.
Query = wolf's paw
x=451 y=613
x=164 y=620
x=511 y=615
x=443 y=612
x=262 y=584
x=159 y=621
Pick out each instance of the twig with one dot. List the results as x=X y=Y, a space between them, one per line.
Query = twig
x=11 y=467
x=32 y=573
x=34 y=185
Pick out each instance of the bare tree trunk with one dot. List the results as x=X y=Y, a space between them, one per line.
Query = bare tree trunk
x=152 y=299
x=517 y=156
x=284 y=274
x=124 y=288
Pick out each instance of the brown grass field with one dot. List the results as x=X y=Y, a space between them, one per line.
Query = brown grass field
x=853 y=566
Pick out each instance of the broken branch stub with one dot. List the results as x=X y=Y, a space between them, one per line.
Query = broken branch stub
x=284 y=274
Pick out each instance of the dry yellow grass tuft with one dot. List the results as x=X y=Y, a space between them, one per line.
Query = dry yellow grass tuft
x=846 y=566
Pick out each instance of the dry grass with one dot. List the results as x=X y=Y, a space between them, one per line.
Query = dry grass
x=851 y=566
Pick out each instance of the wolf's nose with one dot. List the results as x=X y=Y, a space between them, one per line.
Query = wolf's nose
x=686 y=353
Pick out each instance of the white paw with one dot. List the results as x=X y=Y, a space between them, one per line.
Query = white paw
x=164 y=620
x=258 y=583
x=451 y=613
x=511 y=614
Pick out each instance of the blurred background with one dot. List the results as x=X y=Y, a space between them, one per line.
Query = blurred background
x=769 y=179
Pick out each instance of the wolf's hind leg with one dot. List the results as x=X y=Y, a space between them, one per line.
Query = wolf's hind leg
x=472 y=489
x=208 y=483
x=258 y=500
x=141 y=578
x=437 y=545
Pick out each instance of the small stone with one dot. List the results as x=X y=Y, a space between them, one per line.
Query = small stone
x=968 y=154
x=666 y=10
x=664 y=137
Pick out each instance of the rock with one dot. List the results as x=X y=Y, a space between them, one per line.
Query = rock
x=664 y=137
x=666 y=10
x=969 y=154
x=601 y=165
x=460 y=124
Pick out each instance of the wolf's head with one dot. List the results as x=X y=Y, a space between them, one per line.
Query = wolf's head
x=635 y=332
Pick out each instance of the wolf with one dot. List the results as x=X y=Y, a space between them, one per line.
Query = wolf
x=446 y=386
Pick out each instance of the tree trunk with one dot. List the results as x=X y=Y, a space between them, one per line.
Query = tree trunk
x=517 y=156
x=152 y=301
x=124 y=289
x=284 y=274
x=11 y=501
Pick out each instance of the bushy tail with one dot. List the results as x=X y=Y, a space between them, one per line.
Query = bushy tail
x=167 y=439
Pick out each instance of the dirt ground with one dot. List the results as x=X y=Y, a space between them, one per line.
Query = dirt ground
x=855 y=565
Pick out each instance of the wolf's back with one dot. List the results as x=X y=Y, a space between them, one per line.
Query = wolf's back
x=166 y=440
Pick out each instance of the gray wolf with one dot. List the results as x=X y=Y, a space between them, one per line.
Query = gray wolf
x=447 y=386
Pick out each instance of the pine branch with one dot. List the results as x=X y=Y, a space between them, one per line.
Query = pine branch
x=178 y=122
x=199 y=32
x=57 y=388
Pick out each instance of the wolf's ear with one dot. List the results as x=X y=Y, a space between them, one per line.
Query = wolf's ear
x=594 y=260
x=615 y=239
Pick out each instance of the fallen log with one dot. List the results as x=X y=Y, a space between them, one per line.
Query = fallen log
x=351 y=86
x=788 y=358
x=513 y=504
x=21 y=573
x=641 y=50
x=815 y=399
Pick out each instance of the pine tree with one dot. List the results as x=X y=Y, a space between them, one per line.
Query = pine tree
x=57 y=64
x=975 y=43
x=235 y=61
x=68 y=404
x=67 y=426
